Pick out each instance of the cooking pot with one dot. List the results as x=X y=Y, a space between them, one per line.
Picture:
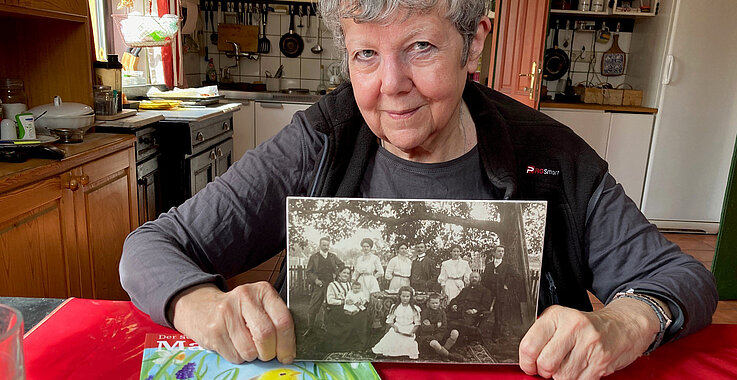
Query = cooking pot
x=58 y=115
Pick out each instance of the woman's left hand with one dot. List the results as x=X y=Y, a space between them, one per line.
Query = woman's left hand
x=566 y=343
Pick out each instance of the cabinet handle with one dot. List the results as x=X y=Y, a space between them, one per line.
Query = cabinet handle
x=213 y=155
x=219 y=152
x=200 y=137
x=226 y=126
x=84 y=180
x=72 y=185
x=272 y=105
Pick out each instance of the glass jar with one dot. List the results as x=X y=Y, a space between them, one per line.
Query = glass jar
x=105 y=102
x=13 y=97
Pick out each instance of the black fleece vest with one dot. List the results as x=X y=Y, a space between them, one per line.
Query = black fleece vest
x=526 y=156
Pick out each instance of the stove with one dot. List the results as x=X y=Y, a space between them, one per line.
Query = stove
x=148 y=174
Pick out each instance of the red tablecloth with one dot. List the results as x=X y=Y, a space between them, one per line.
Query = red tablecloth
x=88 y=339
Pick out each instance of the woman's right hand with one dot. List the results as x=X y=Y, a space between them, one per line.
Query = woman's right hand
x=248 y=322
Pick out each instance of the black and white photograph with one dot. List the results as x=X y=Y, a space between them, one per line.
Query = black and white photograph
x=413 y=280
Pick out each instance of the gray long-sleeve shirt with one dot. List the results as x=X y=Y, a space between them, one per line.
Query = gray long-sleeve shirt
x=238 y=222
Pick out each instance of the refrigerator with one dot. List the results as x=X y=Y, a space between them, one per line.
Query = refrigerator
x=689 y=54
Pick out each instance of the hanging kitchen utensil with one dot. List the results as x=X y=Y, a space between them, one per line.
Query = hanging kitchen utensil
x=214 y=34
x=300 y=11
x=614 y=59
x=291 y=44
x=264 y=45
x=317 y=49
x=565 y=43
x=556 y=60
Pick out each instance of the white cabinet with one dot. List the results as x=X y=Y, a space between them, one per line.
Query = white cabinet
x=628 y=150
x=592 y=126
x=271 y=117
x=243 y=129
x=622 y=139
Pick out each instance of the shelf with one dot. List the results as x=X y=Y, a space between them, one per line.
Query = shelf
x=634 y=12
x=23 y=12
x=577 y=12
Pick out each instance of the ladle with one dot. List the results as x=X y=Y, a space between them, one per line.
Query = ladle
x=317 y=49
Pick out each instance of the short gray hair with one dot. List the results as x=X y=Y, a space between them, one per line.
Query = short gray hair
x=463 y=14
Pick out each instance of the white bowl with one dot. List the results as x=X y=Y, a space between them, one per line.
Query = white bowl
x=68 y=122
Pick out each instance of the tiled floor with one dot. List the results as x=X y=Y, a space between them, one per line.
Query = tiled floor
x=702 y=248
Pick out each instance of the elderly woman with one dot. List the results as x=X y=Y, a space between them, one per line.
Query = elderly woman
x=408 y=124
x=368 y=268
x=399 y=269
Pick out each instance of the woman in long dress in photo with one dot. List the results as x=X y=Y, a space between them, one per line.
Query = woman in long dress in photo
x=403 y=321
x=345 y=331
x=399 y=269
x=368 y=268
x=454 y=273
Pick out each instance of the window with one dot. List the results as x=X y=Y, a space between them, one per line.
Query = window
x=142 y=65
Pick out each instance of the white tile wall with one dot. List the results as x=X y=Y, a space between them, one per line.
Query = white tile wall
x=581 y=72
x=303 y=71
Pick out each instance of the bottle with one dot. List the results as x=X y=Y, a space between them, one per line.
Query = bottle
x=12 y=97
x=110 y=73
x=212 y=74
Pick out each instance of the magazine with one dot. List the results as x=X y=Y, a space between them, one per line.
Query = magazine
x=174 y=356
x=413 y=280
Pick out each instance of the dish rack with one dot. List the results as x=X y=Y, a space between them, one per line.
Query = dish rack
x=146 y=30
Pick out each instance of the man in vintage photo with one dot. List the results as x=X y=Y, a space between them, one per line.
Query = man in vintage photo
x=424 y=276
x=498 y=278
x=321 y=270
x=469 y=308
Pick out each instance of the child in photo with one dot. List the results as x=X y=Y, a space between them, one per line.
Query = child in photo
x=403 y=321
x=434 y=329
x=355 y=300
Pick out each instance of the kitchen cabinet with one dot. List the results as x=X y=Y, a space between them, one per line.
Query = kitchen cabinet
x=271 y=117
x=48 y=47
x=61 y=235
x=209 y=164
x=622 y=139
x=77 y=7
x=244 y=129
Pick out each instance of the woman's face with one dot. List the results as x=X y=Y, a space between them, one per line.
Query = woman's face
x=404 y=297
x=407 y=78
x=344 y=275
x=365 y=248
x=402 y=250
x=455 y=253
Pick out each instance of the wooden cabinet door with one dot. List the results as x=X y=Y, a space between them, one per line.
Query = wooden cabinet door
x=106 y=209
x=224 y=156
x=519 y=31
x=201 y=170
x=78 y=7
x=37 y=241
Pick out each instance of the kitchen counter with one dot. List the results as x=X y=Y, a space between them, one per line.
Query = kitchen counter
x=95 y=145
x=598 y=107
x=198 y=114
x=270 y=96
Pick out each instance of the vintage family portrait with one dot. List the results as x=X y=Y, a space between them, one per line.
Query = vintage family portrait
x=413 y=280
